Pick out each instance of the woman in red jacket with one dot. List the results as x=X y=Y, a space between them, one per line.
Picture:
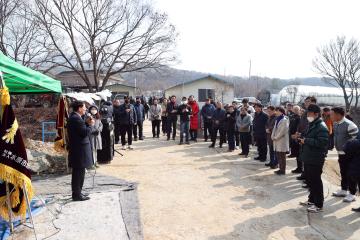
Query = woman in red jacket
x=194 y=118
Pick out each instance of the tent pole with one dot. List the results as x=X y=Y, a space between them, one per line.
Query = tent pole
x=29 y=208
x=8 y=203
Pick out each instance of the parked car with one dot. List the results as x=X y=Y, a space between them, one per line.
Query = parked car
x=251 y=100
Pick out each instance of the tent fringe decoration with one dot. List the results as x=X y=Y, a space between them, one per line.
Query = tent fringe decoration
x=14 y=175
x=4 y=96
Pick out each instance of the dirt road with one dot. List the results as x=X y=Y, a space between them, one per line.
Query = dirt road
x=193 y=192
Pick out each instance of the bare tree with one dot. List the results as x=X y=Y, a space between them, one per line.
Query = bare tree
x=21 y=37
x=101 y=38
x=339 y=63
x=292 y=92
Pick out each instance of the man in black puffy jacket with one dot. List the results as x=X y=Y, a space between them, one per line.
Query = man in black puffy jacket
x=313 y=152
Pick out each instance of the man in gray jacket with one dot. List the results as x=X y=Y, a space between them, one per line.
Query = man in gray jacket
x=243 y=124
x=344 y=130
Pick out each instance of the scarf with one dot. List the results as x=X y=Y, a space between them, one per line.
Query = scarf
x=278 y=119
x=13 y=165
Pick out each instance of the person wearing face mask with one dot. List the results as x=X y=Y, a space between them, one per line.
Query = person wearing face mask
x=184 y=110
x=155 y=112
x=172 y=111
x=243 y=123
x=127 y=121
x=218 y=119
x=230 y=122
x=140 y=116
x=313 y=152
x=301 y=131
x=344 y=130
x=280 y=137
x=96 y=129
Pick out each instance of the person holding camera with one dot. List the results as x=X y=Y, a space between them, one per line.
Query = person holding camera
x=79 y=145
x=313 y=152
x=155 y=118
x=95 y=137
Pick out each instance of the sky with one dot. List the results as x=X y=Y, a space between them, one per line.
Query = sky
x=279 y=36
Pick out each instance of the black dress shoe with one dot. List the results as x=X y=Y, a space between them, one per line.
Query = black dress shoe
x=267 y=164
x=212 y=146
x=257 y=158
x=80 y=198
x=262 y=160
x=301 y=177
x=274 y=166
x=279 y=172
x=297 y=170
x=241 y=154
x=355 y=209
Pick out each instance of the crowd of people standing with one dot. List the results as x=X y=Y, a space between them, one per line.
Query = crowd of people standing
x=305 y=133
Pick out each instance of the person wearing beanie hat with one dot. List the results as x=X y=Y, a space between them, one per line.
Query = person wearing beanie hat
x=313 y=152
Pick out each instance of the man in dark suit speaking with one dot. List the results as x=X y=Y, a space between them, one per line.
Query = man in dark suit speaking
x=80 y=155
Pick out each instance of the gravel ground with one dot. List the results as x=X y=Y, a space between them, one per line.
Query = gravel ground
x=193 y=192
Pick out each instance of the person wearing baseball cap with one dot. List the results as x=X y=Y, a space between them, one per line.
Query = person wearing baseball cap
x=313 y=152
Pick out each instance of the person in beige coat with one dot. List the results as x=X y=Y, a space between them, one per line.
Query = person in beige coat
x=280 y=137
